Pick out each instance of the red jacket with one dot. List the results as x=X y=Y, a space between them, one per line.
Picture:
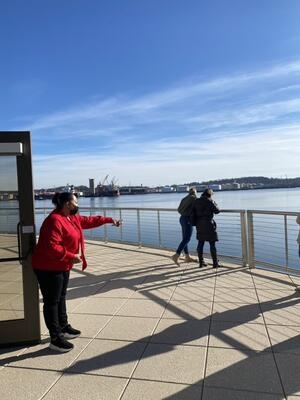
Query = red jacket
x=61 y=238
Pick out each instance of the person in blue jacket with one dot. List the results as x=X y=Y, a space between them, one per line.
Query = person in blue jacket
x=185 y=208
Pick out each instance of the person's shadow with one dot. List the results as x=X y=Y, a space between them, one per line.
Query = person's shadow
x=258 y=366
x=269 y=374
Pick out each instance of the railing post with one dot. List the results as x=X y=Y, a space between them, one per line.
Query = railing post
x=105 y=228
x=259 y=241
x=139 y=228
x=121 y=227
x=159 y=231
x=286 y=244
x=251 y=250
x=91 y=231
x=244 y=237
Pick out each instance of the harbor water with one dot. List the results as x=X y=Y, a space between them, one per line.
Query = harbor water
x=258 y=199
x=275 y=235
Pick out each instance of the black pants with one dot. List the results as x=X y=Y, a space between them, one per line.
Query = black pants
x=212 y=246
x=213 y=251
x=53 y=286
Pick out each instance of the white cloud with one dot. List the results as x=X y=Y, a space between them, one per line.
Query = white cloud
x=228 y=126
x=116 y=109
x=269 y=153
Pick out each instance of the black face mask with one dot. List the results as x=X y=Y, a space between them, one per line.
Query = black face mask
x=74 y=210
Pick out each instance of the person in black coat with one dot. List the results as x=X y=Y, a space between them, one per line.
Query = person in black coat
x=203 y=212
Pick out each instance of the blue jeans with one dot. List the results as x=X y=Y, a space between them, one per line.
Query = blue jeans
x=187 y=230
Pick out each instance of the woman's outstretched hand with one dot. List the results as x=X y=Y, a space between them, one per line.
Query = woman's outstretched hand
x=117 y=222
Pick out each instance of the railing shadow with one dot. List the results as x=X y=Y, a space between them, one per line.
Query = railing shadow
x=242 y=378
x=185 y=332
x=237 y=377
x=122 y=279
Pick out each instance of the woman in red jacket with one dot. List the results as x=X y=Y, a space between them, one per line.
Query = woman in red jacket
x=60 y=246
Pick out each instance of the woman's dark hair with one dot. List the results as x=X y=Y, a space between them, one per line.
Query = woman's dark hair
x=207 y=192
x=59 y=199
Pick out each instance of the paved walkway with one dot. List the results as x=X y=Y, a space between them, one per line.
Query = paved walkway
x=151 y=330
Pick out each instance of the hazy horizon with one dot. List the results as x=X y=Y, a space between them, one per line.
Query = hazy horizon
x=179 y=184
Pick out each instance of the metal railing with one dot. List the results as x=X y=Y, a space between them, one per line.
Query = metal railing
x=251 y=237
x=272 y=240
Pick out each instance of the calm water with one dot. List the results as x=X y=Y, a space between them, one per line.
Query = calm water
x=269 y=230
x=264 y=199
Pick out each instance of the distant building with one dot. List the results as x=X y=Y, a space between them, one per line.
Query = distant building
x=134 y=189
x=182 y=188
x=215 y=188
x=201 y=188
x=8 y=196
x=166 y=189
x=68 y=188
x=231 y=186
x=92 y=187
x=248 y=185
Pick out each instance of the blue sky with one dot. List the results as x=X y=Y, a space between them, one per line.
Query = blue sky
x=153 y=92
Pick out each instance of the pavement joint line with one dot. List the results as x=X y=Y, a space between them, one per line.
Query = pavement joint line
x=187 y=274
x=148 y=342
x=269 y=338
x=208 y=337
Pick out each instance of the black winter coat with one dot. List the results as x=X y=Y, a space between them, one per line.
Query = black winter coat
x=202 y=216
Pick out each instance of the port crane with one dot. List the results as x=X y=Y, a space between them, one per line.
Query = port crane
x=104 y=180
x=107 y=189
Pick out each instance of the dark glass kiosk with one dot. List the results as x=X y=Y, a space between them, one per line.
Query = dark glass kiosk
x=19 y=296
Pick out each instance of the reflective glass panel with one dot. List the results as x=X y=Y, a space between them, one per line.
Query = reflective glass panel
x=11 y=279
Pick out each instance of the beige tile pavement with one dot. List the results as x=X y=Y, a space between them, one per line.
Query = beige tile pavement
x=151 y=330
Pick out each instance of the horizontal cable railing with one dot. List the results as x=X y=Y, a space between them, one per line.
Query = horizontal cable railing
x=256 y=238
x=272 y=237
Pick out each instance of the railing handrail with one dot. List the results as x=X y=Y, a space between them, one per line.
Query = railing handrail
x=225 y=210
x=251 y=238
x=291 y=213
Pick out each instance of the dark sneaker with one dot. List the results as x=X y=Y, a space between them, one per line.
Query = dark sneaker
x=69 y=332
x=61 y=344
